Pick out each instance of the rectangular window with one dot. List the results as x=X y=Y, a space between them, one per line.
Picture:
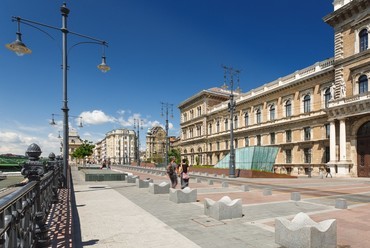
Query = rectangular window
x=218 y=145
x=272 y=138
x=199 y=130
x=288 y=156
x=327 y=131
x=210 y=147
x=307 y=133
x=307 y=155
x=327 y=154
x=226 y=144
x=258 y=140
x=236 y=143
x=246 y=141
x=288 y=136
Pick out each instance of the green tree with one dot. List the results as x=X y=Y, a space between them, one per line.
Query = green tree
x=85 y=150
x=176 y=153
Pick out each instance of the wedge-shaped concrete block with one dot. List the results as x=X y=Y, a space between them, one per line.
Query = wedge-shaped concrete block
x=162 y=188
x=295 y=196
x=267 y=191
x=185 y=195
x=303 y=232
x=244 y=188
x=132 y=178
x=143 y=183
x=341 y=203
x=225 y=208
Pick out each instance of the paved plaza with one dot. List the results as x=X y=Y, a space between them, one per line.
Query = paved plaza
x=120 y=214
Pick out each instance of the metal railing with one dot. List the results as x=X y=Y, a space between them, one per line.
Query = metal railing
x=23 y=213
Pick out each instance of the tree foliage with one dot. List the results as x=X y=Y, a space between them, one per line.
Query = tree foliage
x=85 y=150
x=176 y=153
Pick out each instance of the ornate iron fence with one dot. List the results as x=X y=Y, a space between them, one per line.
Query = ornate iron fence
x=23 y=213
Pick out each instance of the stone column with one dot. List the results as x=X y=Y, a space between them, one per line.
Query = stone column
x=333 y=158
x=342 y=140
x=343 y=163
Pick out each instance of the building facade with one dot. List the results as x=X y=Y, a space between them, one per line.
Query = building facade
x=74 y=141
x=118 y=147
x=318 y=116
x=155 y=144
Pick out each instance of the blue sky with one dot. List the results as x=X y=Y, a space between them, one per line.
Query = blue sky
x=159 y=51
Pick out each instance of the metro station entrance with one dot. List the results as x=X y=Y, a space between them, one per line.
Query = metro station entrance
x=363 y=150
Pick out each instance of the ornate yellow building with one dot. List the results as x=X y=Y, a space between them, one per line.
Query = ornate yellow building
x=317 y=116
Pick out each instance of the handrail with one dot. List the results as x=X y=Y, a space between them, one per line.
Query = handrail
x=23 y=213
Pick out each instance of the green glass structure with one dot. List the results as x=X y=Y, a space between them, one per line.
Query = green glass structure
x=260 y=158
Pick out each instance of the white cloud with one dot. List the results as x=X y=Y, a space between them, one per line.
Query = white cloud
x=10 y=137
x=16 y=142
x=96 y=117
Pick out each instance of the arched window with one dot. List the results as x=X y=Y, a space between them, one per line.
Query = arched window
x=226 y=124
x=246 y=119
x=218 y=126
x=363 y=40
x=200 y=157
x=192 y=160
x=210 y=128
x=307 y=103
x=236 y=122
x=258 y=116
x=327 y=97
x=362 y=84
x=272 y=112
x=288 y=108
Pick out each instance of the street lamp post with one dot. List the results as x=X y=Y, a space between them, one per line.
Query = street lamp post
x=20 y=49
x=52 y=122
x=138 y=124
x=231 y=108
x=165 y=107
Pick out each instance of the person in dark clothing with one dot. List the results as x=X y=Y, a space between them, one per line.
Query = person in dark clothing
x=172 y=172
x=328 y=171
x=184 y=168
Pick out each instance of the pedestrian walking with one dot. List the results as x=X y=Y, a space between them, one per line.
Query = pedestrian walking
x=184 y=168
x=172 y=172
x=328 y=172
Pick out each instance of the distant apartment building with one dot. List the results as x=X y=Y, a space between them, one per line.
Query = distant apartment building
x=317 y=116
x=118 y=147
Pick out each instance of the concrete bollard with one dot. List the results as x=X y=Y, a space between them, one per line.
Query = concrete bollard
x=244 y=188
x=185 y=195
x=341 y=203
x=162 y=188
x=267 y=191
x=295 y=196
x=302 y=231
x=225 y=208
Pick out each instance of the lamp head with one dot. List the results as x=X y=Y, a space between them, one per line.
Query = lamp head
x=18 y=46
x=103 y=66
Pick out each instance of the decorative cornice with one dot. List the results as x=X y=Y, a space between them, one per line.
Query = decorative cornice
x=346 y=12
